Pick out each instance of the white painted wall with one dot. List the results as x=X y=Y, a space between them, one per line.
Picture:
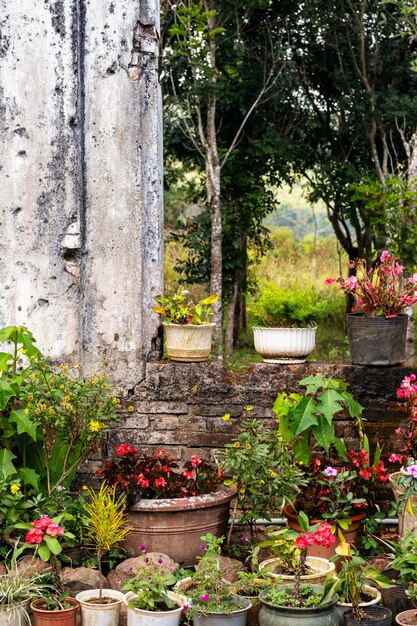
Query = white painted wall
x=81 y=177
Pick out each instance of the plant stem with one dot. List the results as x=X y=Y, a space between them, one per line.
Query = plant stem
x=298 y=572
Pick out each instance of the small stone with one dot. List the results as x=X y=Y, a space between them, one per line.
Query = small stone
x=30 y=565
x=79 y=579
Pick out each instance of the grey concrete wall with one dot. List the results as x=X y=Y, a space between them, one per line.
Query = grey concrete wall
x=81 y=177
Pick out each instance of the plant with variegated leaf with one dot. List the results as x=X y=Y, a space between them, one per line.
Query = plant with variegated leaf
x=180 y=309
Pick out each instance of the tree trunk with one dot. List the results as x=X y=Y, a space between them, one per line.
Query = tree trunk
x=230 y=341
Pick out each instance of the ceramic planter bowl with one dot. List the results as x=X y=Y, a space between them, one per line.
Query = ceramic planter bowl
x=321 y=568
x=237 y=618
x=272 y=615
x=407 y=618
x=141 y=617
x=188 y=342
x=284 y=345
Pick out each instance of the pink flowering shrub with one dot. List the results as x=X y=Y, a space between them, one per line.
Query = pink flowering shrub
x=158 y=475
x=42 y=534
x=379 y=291
x=407 y=391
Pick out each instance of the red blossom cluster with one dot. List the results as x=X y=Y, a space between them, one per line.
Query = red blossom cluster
x=360 y=460
x=41 y=527
x=379 y=291
x=407 y=391
x=158 y=475
x=323 y=536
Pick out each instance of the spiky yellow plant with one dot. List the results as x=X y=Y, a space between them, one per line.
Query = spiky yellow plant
x=106 y=521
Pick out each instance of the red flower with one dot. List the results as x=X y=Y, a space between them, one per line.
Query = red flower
x=124 y=449
x=42 y=523
x=35 y=535
x=196 y=460
x=161 y=482
x=54 y=529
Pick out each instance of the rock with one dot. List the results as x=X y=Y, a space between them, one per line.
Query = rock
x=81 y=579
x=127 y=569
x=3 y=569
x=230 y=568
x=30 y=565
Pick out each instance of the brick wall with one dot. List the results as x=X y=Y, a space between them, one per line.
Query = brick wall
x=179 y=406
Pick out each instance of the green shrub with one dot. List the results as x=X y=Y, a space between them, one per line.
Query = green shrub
x=286 y=308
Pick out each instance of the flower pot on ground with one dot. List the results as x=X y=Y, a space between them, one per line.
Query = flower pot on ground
x=173 y=506
x=143 y=617
x=374 y=616
x=377 y=326
x=320 y=569
x=100 y=610
x=220 y=611
x=276 y=612
x=187 y=326
x=350 y=534
x=407 y=503
x=284 y=323
x=407 y=618
x=373 y=594
x=64 y=615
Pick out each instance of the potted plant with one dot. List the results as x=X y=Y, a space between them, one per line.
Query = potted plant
x=283 y=563
x=340 y=483
x=354 y=585
x=106 y=523
x=16 y=590
x=262 y=469
x=170 y=506
x=401 y=573
x=56 y=608
x=403 y=482
x=284 y=323
x=377 y=324
x=213 y=600
x=302 y=603
x=149 y=600
x=187 y=325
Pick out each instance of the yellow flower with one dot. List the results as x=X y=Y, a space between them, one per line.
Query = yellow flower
x=22 y=350
x=114 y=400
x=14 y=488
x=94 y=426
x=226 y=417
x=272 y=473
x=63 y=367
x=130 y=408
x=26 y=411
x=248 y=446
x=261 y=482
x=237 y=444
x=248 y=408
x=343 y=549
x=84 y=487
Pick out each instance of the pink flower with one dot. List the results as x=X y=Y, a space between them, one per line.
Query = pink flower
x=54 y=529
x=412 y=471
x=205 y=597
x=397 y=431
x=395 y=458
x=301 y=542
x=123 y=449
x=330 y=471
x=35 y=535
x=161 y=482
x=196 y=460
x=398 y=269
x=188 y=474
x=42 y=523
x=385 y=256
x=330 y=281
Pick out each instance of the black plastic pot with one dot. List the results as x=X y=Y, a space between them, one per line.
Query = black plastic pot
x=395 y=598
x=377 y=340
x=378 y=616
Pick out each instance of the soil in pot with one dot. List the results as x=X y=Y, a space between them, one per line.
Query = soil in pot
x=103 y=600
x=407 y=618
x=375 y=616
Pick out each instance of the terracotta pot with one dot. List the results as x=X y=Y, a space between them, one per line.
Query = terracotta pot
x=406 y=520
x=350 y=535
x=65 y=617
x=407 y=618
x=321 y=568
x=377 y=340
x=175 y=526
x=188 y=342
x=284 y=345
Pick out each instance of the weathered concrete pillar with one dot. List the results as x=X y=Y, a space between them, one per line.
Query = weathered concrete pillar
x=81 y=177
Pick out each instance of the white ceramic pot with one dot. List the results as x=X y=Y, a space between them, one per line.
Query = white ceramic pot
x=284 y=345
x=15 y=615
x=95 y=614
x=140 y=617
x=321 y=568
x=188 y=342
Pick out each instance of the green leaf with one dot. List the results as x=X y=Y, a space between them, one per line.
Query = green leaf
x=24 y=423
x=6 y=392
x=324 y=433
x=301 y=450
x=305 y=415
x=329 y=403
x=44 y=552
x=9 y=333
x=5 y=357
x=340 y=446
x=28 y=476
x=303 y=521
x=53 y=544
x=6 y=463
x=355 y=409
x=313 y=383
